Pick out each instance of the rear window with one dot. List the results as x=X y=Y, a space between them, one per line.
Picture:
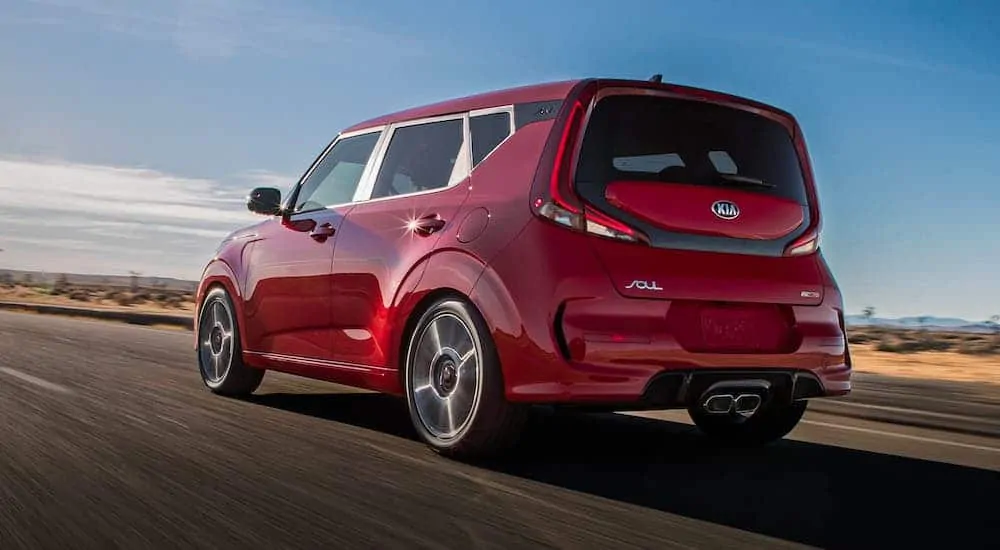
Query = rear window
x=685 y=141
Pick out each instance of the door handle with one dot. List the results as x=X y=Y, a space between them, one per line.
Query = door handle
x=428 y=224
x=322 y=231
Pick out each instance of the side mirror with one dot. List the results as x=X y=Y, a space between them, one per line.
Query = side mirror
x=265 y=200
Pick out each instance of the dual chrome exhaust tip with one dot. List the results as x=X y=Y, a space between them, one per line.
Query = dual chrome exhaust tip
x=744 y=404
x=740 y=397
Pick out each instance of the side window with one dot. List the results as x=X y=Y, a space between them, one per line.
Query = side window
x=336 y=178
x=487 y=133
x=420 y=158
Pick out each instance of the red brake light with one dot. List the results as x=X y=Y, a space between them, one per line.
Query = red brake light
x=559 y=184
x=562 y=205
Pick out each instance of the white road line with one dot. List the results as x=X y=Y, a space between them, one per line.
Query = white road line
x=659 y=415
x=889 y=408
x=24 y=377
x=903 y=436
x=171 y=420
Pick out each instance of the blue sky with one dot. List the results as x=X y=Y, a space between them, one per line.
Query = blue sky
x=129 y=130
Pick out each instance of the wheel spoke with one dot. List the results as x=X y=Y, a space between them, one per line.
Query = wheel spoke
x=428 y=403
x=462 y=341
x=449 y=417
x=434 y=336
x=225 y=358
x=450 y=330
x=467 y=382
x=464 y=396
x=467 y=357
x=226 y=320
x=421 y=365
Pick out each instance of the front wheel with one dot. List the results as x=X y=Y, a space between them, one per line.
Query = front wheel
x=771 y=423
x=454 y=385
x=220 y=353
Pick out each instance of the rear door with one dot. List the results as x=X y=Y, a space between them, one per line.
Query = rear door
x=418 y=186
x=719 y=192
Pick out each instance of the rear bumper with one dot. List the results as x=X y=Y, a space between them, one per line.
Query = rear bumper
x=622 y=350
x=615 y=350
x=625 y=351
x=674 y=389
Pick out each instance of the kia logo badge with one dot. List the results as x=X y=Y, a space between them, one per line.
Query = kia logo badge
x=726 y=210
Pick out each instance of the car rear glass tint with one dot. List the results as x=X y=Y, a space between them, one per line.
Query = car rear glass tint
x=686 y=141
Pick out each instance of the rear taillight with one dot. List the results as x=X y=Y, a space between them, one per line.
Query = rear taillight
x=589 y=221
x=806 y=244
x=559 y=203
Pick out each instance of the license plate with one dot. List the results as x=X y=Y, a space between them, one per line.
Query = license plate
x=722 y=328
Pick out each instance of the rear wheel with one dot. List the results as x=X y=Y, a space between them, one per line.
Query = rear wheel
x=220 y=352
x=771 y=423
x=454 y=385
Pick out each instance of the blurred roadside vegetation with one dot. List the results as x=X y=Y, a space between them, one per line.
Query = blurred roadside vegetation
x=897 y=340
x=135 y=294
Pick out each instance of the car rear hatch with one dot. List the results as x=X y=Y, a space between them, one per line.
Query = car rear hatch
x=695 y=197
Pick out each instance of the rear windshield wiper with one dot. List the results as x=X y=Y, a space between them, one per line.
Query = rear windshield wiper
x=733 y=179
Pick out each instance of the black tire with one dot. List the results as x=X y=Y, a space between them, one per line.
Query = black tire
x=219 y=337
x=492 y=424
x=771 y=423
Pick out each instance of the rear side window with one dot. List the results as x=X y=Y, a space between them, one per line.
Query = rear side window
x=685 y=141
x=488 y=131
x=420 y=158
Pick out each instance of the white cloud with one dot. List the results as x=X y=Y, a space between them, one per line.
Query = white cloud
x=60 y=216
x=266 y=178
x=211 y=28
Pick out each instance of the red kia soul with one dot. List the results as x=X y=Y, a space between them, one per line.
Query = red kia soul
x=601 y=244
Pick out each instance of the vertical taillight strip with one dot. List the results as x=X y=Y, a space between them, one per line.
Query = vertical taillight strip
x=553 y=196
x=808 y=242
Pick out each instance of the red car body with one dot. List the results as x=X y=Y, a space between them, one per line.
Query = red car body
x=626 y=299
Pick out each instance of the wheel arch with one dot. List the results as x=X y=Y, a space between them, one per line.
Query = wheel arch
x=218 y=273
x=449 y=272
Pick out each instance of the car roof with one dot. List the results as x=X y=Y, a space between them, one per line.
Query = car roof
x=549 y=91
x=552 y=91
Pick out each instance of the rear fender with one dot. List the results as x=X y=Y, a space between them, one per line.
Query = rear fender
x=443 y=271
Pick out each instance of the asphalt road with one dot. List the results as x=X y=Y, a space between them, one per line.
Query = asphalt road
x=109 y=440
